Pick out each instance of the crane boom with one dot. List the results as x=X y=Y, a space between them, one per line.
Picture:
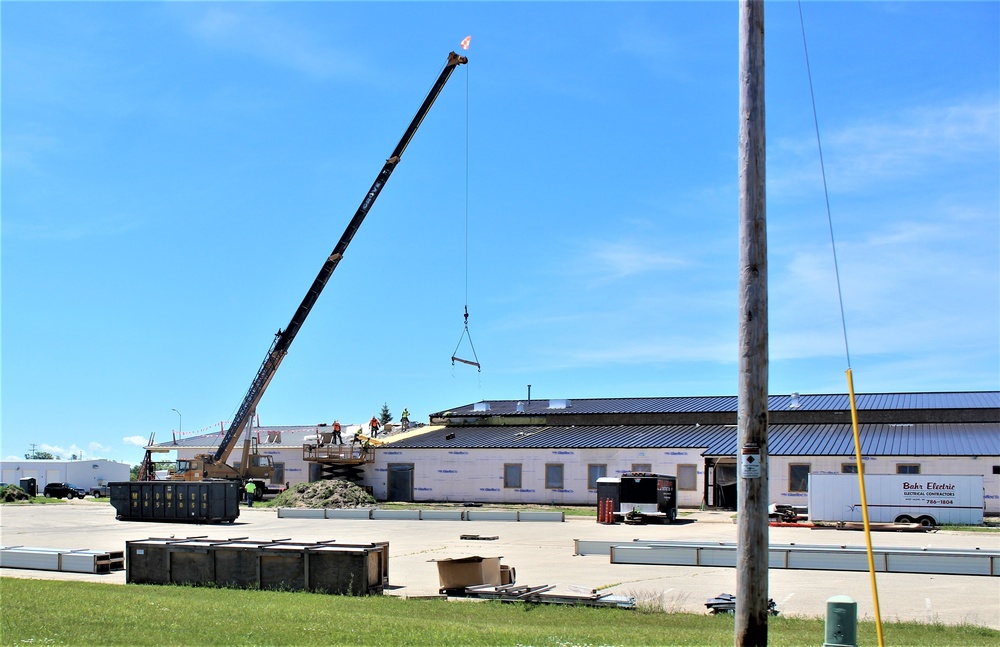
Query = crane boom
x=283 y=339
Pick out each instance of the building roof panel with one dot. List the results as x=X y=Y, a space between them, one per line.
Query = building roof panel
x=710 y=404
x=939 y=439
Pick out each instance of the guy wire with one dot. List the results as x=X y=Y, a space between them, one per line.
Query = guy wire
x=826 y=193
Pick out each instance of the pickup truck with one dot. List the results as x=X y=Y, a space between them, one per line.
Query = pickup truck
x=100 y=490
x=60 y=490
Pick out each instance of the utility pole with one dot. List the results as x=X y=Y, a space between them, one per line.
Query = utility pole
x=752 y=529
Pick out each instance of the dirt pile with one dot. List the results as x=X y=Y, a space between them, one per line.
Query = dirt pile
x=324 y=494
x=11 y=493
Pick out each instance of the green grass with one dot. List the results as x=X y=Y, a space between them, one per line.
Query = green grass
x=46 y=612
x=35 y=500
x=984 y=528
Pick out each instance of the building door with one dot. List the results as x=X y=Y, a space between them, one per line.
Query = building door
x=400 y=484
x=725 y=484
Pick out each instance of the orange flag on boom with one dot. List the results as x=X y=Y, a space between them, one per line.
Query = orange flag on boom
x=466 y=41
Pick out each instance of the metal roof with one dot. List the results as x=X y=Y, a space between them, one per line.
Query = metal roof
x=727 y=403
x=947 y=439
x=272 y=436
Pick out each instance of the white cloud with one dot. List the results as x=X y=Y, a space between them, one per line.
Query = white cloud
x=625 y=259
x=94 y=450
x=254 y=31
x=138 y=441
x=59 y=450
x=616 y=351
x=914 y=288
x=22 y=151
x=870 y=153
x=98 y=448
x=914 y=211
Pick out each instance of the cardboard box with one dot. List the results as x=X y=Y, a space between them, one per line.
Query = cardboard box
x=468 y=571
x=507 y=575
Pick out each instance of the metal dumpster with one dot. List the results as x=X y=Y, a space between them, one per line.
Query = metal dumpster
x=29 y=485
x=176 y=501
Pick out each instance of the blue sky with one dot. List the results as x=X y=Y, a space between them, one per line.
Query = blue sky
x=174 y=175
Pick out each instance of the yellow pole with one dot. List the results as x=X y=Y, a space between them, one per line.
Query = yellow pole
x=864 y=505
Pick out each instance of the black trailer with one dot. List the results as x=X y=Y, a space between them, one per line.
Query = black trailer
x=637 y=497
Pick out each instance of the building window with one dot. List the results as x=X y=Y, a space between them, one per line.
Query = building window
x=798 y=477
x=687 y=477
x=850 y=468
x=512 y=475
x=642 y=467
x=553 y=476
x=910 y=468
x=595 y=472
x=278 y=475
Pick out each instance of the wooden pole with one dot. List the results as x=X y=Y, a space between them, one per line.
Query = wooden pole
x=751 y=559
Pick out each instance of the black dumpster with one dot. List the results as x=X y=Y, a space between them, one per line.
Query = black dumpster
x=176 y=501
x=29 y=485
x=322 y=567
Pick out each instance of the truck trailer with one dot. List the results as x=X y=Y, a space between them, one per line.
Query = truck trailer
x=927 y=499
x=637 y=497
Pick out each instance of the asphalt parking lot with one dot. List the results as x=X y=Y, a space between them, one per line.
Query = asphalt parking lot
x=543 y=553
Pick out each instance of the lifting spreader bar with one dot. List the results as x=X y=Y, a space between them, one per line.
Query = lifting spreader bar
x=465 y=332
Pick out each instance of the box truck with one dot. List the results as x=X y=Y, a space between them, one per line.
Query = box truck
x=927 y=499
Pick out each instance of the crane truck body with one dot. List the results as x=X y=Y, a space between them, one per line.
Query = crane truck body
x=254 y=466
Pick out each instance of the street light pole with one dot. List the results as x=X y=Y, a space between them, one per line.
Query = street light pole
x=180 y=421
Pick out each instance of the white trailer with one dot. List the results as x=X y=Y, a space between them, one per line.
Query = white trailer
x=928 y=499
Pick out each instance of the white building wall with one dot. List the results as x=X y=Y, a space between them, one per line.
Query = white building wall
x=296 y=470
x=85 y=473
x=478 y=474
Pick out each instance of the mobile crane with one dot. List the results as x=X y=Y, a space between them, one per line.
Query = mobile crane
x=254 y=466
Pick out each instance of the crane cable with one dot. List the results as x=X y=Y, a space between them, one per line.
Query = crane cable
x=465 y=331
x=850 y=376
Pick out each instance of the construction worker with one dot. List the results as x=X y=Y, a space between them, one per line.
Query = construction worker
x=336 y=432
x=373 y=425
x=405 y=418
x=250 y=489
